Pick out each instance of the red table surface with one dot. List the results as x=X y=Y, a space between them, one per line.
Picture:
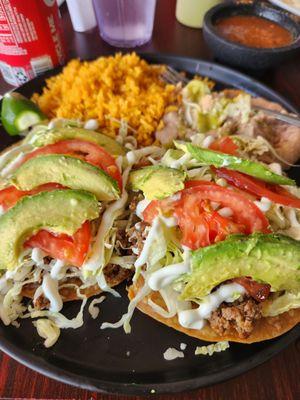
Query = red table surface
x=276 y=379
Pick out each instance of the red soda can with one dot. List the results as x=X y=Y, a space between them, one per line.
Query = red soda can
x=31 y=39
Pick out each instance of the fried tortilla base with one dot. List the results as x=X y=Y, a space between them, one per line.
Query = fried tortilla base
x=265 y=328
x=70 y=293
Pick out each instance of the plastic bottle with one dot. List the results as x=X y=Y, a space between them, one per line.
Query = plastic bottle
x=191 y=12
x=82 y=15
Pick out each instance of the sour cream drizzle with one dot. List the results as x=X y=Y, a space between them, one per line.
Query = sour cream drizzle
x=264 y=204
x=50 y=289
x=208 y=141
x=195 y=318
x=12 y=166
x=165 y=276
x=38 y=255
x=141 y=206
x=8 y=155
x=57 y=269
x=96 y=259
x=181 y=161
x=154 y=231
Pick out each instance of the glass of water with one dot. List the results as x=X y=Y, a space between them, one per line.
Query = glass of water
x=125 y=23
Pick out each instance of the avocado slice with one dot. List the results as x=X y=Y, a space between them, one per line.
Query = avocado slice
x=252 y=168
x=59 y=211
x=43 y=137
x=272 y=259
x=156 y=181
x=68 y=171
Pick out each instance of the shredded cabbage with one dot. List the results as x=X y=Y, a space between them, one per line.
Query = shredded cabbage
x=125 y=320
x=211 y=348
x=126 y=262
x=195 y=90
x=48 y=331
x=96 y=259
x=172 y=302
x=155 y=246
x=281 y=304
x=285 y=220
x=161 y=250
x=250 y=147
x=205 y=111
x=59 y=319
x=93 y=309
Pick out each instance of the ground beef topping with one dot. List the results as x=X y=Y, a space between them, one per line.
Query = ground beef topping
x=239 y=316
x=137 y=236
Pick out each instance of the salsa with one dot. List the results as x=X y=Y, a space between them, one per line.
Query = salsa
x=253 y=31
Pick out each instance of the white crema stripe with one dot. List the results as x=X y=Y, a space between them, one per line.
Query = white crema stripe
x=50 y=290
x=195 y=318
x=165 y=276
x=153 y=232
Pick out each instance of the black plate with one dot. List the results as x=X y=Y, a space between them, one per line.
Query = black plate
x=112 y=362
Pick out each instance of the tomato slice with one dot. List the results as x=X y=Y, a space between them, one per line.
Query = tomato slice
x=199 y=223
x=11 y=195
x=225 y=145
x=245 y=212
x=274 y=193
x=259 y=291
x=154 y=207
x=90 y=152
x=70 y=249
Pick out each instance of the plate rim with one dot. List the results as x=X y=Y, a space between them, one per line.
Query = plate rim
x=40 y=365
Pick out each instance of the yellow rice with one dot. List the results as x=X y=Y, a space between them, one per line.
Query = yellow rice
x=120 y=87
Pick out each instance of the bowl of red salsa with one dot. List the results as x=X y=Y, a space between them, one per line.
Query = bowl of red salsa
x=251 y=36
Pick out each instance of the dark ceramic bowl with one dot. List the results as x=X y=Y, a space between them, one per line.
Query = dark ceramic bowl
x=238 y=55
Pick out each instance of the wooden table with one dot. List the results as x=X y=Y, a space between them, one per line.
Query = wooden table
x=276 y=379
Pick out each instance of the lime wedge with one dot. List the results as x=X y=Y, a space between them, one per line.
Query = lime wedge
x=19 y=113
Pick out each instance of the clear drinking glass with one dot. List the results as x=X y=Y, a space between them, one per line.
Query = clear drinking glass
x=125 y=23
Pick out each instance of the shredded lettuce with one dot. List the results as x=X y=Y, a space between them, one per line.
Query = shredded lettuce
x=285 y=220
x=11 y=306
x=155 y=248
x=126 y=262
x=174 y=254
x=59 y=319
x=281 y=304
x=251 y=147
x=126 y=318
x=172 y=302
x=97 y=258
x=160 y=249
x=196 y=89
x=205 y=111
x=48 y=331
x=211 y=348
x=93 y=309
